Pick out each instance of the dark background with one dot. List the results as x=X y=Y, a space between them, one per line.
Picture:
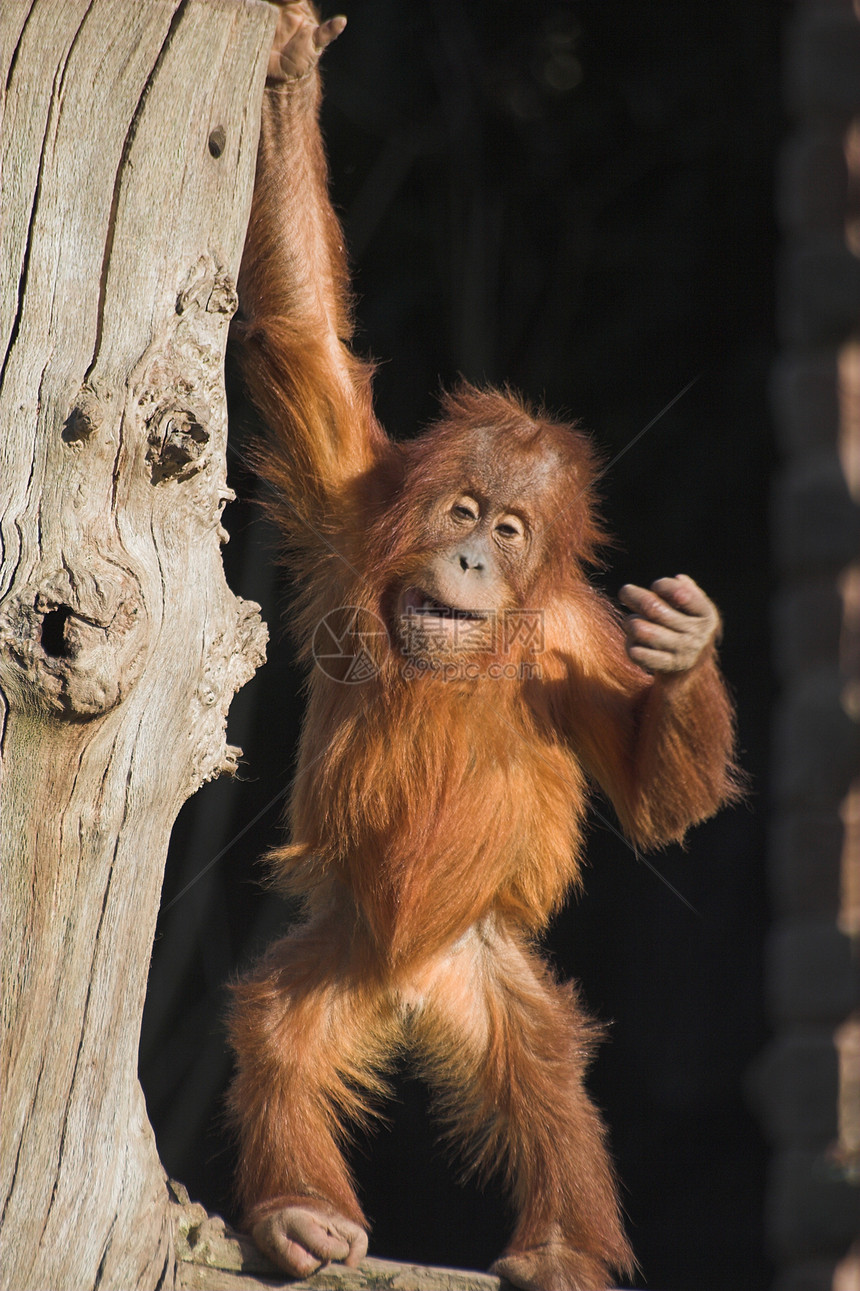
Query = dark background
x=575 y=198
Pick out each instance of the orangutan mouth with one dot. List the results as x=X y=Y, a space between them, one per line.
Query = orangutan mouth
x=417 y=602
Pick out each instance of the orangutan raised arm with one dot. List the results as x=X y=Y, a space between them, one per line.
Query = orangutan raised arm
x=295 y=324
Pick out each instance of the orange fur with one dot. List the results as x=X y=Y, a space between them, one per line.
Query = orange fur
x=436 y=824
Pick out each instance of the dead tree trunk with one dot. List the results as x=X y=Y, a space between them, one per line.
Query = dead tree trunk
x=128 y=150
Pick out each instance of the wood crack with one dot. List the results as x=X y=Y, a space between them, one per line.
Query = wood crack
x=13 y=1180
x=25 y=262
x=100 y=1271
x=13 y=61
x=50 y=125
x=117 y=189
x=85 y=1011
x=76 y=1064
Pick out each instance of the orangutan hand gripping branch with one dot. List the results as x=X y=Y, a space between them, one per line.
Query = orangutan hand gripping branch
x=437 y=813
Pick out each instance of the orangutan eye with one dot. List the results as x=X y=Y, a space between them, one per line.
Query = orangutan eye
x=509 y=528
x=465 y=509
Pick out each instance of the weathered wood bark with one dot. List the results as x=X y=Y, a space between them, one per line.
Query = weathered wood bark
x=128 y=153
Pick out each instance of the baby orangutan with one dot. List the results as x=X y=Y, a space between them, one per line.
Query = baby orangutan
x=438 y=807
